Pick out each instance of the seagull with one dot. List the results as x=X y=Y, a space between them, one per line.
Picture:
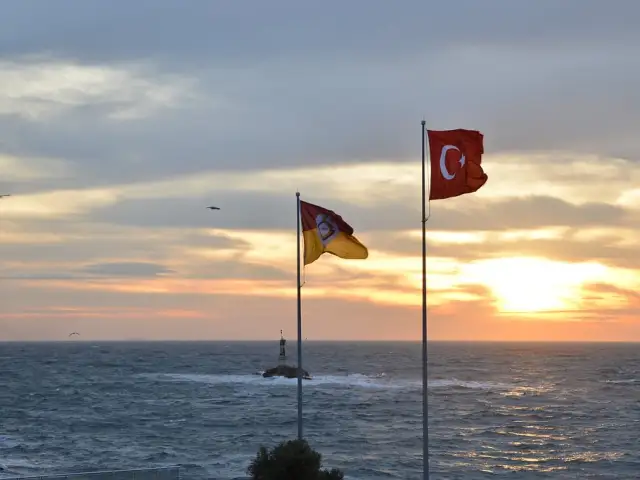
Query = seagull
x=213 y=208
x=73 y=333
x=5 y=195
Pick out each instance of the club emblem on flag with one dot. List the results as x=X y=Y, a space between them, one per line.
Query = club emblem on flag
x=327 y=228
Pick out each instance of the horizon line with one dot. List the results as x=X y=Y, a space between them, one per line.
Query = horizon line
x=142 y=340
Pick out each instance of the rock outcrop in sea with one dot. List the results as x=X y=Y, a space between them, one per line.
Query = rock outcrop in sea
x=284 y=370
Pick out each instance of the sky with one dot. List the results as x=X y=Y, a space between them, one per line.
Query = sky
x=121 y=121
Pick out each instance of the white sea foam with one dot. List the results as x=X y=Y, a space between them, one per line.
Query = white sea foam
x=354 y=380
x=630 y=381
x=471 y=384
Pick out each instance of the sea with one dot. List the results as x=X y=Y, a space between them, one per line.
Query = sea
x=496 y=410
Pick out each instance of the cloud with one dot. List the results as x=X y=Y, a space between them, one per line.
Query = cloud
x=112 y=270
x=611 y=247
x=531 y=212
x=527 y=190
x=227 y=34
x=277 y=212
x=80 y=250
x=42 y=90
x=57 y=203
x=113 y=142
x=264 y=100
x=598 y=295
x=32 y=169
x=126 y=269
x=238 y=269
x=107 y=313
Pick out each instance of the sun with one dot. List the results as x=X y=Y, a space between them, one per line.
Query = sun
x=527 y=284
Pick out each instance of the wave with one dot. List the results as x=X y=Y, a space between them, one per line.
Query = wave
x=357 y=380
x=352 y=380
x=630 y=381
x=472 y=384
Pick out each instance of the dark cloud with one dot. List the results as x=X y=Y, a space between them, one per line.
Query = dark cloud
x=239 y=317
x=346 y=113
x=613 y=250
x=239 y=269
x=569 y=113
x=205 y=270
x=628 y=303
x=192 y=212
x=105 y=270
x=40 y=275
x=166 y=231
x=234 y=33
x=219 y=270
x=126 y=269
x=280 y=84
x=141 y=253
x=527 y=212
x=84 y=242
x=631 y=297
x=253 y=211
x=296 y=84
x=610 y=252
x=268 y=126
x=249 y=211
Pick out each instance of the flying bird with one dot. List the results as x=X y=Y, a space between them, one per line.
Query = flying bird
x=213 y=208
x=74 y=333
x=5 y=195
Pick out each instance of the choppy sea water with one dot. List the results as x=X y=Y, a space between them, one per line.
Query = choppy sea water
x=561 y=411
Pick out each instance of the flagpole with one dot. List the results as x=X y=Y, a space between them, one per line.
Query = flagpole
x=425 y=399
x=299 y=324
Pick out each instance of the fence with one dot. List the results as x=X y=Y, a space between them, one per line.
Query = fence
x=161 y=473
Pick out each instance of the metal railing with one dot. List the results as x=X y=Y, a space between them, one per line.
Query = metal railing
x=160 y=473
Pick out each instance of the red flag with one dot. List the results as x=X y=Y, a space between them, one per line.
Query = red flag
x=456 y=156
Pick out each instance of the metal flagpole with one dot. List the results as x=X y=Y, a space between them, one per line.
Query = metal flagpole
x=299 y=325
x=425 y=399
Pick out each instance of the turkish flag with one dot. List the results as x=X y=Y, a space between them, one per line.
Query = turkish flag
x=456 y=157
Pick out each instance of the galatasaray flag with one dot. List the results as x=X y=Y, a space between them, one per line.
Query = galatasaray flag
x=456 y=157
x=325 y=231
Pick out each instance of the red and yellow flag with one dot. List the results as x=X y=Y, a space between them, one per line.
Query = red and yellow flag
x=325 y=231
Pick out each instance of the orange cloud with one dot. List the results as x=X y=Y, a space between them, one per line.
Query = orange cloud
x=532 y=256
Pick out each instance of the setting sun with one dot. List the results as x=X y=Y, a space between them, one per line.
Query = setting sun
x=526 y=284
